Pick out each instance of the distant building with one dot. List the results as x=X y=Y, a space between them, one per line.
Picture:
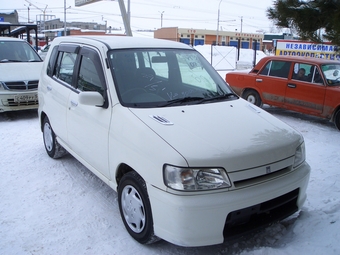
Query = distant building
x=269 y=40
x=56 y=23
x=10 y=17
x=203 y=36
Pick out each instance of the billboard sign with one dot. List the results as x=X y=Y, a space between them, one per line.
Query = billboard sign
x=307 y=49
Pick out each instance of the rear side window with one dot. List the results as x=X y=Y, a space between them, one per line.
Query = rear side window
x=90 y=77
x=65 y=66
x=62 y=62
x=277 y=69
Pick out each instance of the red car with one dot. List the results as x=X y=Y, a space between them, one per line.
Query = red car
x=306 y=85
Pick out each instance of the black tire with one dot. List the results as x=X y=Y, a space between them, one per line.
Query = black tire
x=252 y=97
x=135 y=208
x=337 y=119
x=53 y=148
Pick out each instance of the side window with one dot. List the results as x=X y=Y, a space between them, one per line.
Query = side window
x=51 y=61
x=314 y=75
x=65 y=66
x=277 y=69
x=302 y=72
x=91 y=76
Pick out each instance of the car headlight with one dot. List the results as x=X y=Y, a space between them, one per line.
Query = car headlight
x=300 y=155
x=191 y=179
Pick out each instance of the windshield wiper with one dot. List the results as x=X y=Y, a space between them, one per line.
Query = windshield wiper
x=219 y=97
x=182 y=100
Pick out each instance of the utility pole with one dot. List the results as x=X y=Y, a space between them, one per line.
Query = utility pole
x=43 y=11
x=161 y=18
x=28 y=12
x=218 y=22
x=125 y=16
x=241 y=23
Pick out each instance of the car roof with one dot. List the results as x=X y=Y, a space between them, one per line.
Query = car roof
x=311 y=60
x=122 y=42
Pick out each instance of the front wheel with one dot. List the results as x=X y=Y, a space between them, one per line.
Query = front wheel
x=135 y=209
x=252 y=97
x=53 y=148
x=337 y=119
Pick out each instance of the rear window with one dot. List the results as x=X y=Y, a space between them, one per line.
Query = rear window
x=277 y=69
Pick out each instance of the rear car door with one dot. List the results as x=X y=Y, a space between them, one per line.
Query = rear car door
x=88 y=126
x=57 y=85
x=305 y=94
x=272 y=81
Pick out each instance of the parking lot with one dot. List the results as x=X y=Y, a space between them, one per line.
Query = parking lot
x=59 y=207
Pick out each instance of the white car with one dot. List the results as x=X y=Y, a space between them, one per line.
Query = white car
x=192 y=163
x=20 y=68
x=43 y=52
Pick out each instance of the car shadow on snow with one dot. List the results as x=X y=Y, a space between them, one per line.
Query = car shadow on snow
x=279 y=112
x=18 y=115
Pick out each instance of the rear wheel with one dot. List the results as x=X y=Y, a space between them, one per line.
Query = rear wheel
x=252 y=97
x=337 y=119
x=135 y=209
x=53 y=148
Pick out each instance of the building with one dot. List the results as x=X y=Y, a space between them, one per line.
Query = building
x=56 y=23
x=270 y=38
x=10 y=17
x=203 y=36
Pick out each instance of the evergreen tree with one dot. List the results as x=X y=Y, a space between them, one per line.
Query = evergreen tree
x=308 y=18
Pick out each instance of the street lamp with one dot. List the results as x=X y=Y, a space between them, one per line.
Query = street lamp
x=218 y=22
x=161 y=18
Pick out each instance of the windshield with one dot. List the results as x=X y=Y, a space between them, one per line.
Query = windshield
x=17 y=51
x=165 y=77
x=332 y=73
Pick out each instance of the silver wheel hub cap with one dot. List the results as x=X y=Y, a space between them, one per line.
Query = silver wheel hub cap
x=251 y=99
x=48 y=138
x=133 y=209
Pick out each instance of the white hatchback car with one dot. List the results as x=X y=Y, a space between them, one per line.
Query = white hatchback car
x=192 y=163
x=20 y=68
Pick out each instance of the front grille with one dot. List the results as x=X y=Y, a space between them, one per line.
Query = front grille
x=252 y=218
x=11 y=102
x=21 y=85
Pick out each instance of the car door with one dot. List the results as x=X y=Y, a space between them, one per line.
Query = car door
x=305 y=93
x=56 y=87
x=272 y=81
x=88 y=126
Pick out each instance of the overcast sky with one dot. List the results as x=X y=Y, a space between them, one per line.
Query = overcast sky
x=146 y=14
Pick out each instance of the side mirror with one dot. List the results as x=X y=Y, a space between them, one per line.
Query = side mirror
x=91 y=98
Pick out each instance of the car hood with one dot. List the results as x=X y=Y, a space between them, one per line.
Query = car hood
x=20 y=71
x=235 y=135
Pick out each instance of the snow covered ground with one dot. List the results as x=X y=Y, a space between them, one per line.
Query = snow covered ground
x=59 y=207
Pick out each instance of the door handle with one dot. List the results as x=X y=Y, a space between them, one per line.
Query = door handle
x=293 y=86
x=258 y=80
x=73 y=103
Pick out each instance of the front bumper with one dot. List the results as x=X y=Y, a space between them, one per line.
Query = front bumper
x=11 y=101
x=200 y=219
